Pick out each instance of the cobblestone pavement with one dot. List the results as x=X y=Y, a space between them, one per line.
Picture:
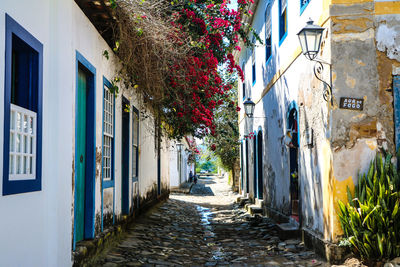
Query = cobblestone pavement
x=206 y=228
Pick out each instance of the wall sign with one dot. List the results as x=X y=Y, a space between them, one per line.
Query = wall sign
x=351 y=103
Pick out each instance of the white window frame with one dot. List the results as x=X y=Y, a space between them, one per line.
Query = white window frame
x=22 y=143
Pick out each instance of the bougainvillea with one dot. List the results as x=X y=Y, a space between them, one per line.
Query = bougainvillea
x=189 y=87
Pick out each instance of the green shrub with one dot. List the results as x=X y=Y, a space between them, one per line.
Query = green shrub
x=371 y=218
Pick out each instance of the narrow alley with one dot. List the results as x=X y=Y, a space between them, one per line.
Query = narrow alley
x=206 y=228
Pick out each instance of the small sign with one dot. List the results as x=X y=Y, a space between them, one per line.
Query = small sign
x=351 y=103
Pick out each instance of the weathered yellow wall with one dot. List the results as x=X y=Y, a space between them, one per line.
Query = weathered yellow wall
x=361 y=71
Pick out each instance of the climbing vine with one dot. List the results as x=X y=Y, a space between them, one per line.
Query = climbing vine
x=172 y=53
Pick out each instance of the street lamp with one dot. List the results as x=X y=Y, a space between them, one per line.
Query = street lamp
x=249 y=107
x=310 y=41
x=179 y=147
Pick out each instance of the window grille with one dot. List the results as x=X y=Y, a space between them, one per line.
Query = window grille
x=22 y=165
x=108 y=133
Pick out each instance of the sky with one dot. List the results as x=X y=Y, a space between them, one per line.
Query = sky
x=233 y=5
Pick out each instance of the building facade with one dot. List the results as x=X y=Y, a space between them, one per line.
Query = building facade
x=76 y=158
x=299 y=153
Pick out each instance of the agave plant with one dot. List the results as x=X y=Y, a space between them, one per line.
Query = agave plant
x=371 y=218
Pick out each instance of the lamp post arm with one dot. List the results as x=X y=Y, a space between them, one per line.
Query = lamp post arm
x=318 y=70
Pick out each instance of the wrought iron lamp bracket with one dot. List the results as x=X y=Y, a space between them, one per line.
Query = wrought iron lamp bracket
x=318 y=70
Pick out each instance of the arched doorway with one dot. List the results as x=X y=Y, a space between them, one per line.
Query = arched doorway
x=293 y=128
x=260 y=168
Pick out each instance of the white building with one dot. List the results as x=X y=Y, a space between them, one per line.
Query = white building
x=180 y=163
x=74 y=157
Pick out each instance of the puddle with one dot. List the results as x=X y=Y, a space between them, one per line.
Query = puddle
x=217 y=251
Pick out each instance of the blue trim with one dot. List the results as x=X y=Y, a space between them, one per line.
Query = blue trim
x=281 y=39
x=268 y=61
x=135 y=177
x=247 y=165
x=108 y=183
x=21 y=186
x=293 y=105
x=396 y=103
x=260 y=181
x=255 y=178
x=303 y=6
x=241 y=164
x=90 y=178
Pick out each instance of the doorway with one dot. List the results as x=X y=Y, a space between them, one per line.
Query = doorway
x=260 y=168
x=125 y=156
x=255 y=167
x=85 y=140
x=247 y=166
x=293 y=123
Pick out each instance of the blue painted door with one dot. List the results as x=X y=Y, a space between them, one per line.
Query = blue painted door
x=125 y=156
x=80 y=165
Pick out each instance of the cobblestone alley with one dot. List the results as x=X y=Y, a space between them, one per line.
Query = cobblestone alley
x=206 y=228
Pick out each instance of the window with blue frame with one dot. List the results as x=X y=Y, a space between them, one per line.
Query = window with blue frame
x=253 y=65
x=303 y=4
x=283 y=20
x=244 y=82
x=268 y=33
x=135 y=144
x=108 y=134
x=22 y=170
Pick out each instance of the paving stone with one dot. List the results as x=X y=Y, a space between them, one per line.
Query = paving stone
x=205 y=228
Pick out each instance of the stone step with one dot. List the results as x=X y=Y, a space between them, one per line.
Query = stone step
x=288 y=230
x=243 y=201
x=254 y=209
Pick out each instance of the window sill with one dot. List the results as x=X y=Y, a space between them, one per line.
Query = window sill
x=108 y=183
x=282 y=39
x=304 y=7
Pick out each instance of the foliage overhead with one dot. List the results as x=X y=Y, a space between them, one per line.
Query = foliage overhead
x=371 y=218
x=171 y=50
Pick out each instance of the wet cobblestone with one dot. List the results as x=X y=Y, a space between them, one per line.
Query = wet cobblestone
x=206 y=228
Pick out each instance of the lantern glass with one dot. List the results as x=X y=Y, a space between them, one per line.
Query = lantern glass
x=249 y=107
x=310 y=39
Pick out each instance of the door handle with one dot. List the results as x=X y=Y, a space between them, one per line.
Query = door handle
x=81 y=159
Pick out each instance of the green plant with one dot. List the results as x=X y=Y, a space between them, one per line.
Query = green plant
x=371 y=218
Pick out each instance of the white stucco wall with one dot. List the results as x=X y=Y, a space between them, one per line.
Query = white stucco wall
x=35 y=228
x=283 y=76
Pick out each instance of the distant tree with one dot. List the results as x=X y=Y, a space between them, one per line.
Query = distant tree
x=225 y=143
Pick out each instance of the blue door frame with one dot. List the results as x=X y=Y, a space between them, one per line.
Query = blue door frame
x=260 y=189
x=247 y=165
x=255 y=165
x=90 y=172
x=396 y=94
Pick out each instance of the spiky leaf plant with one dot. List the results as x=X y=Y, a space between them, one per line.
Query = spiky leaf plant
x=371 y=218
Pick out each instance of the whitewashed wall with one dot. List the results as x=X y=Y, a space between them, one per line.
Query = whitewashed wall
x=272 y=109
x=35 y=228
